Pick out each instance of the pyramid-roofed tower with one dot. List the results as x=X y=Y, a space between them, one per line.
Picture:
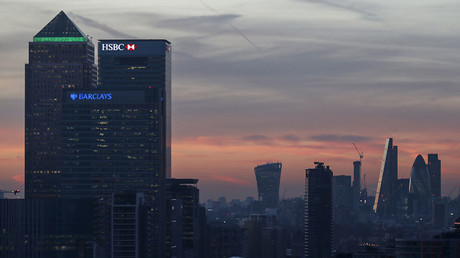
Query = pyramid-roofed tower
x=60 y=57
x=60 y=29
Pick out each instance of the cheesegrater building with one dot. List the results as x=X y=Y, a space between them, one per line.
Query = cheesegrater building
x=386 y=196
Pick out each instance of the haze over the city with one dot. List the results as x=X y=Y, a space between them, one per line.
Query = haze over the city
x=295 y=81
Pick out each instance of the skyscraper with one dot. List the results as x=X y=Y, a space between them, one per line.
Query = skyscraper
x=142 y=64
x=420 y=195
x=128 y=224
x=356 y=185
x=434 y=168
x=342 y=198
x=186 y=219
x=386 y=196
x=318 y=211
x=117 y=137
x=85 y=143
x=60 y=57
x=268 y=183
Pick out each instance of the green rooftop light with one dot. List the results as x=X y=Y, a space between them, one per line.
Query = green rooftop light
x=59 y=39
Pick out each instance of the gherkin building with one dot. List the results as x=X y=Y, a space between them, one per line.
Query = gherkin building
x=420 y=189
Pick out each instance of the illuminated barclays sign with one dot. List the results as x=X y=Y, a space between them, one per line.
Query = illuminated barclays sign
x=118 y=47
x=91 y=96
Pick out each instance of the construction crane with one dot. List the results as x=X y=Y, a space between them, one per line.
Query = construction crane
x=361 y=156
x=359 y=193
x=3 y=192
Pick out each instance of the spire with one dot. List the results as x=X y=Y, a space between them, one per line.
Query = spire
x=60 y=29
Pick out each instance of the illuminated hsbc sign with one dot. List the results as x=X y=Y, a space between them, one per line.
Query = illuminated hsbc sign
x=118 y=47
x=92 y=96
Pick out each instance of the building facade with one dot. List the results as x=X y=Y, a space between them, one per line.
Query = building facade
x=60 y=57
x=356 y=185
x=434 y=168
x=342 y=198
x=128 y=225
x=141 y=64
x=318 y=211
x=46 y=227
x=116 y=138
x=268 y=183
x=186 y=219
x=86 y=144
x=385 y=197
x=420 y=194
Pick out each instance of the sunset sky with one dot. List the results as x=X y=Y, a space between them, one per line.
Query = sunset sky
x=294 y=81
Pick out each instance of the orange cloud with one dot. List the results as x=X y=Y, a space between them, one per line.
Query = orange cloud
x=19 y=178
x=231 y=180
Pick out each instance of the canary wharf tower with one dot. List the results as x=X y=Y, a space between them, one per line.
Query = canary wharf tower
x=116 y=138
x=60 y=57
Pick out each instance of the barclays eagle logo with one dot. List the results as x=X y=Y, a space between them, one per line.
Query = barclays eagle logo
x=73 y=96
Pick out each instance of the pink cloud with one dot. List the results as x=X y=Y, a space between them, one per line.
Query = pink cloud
x=19 y=178
x=231 y=180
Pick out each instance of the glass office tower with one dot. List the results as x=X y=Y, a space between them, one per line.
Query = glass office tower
x=318 y=211
x=117 y=138
x=434 y=168
x=141 y=64
x=420 y=189
x=385 y=197
x=60 y=56
x=268 y=183
x=111 y=141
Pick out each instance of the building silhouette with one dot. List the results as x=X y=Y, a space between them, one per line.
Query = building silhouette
x=342 y=198
x=46 y=227
x=420 y=195
x=60 y=57
x=225 y=240
x=268 y=183
x=128 y=223
x=403 y=198
x=186 y=219
x=386 y=195
x=434 y=168
x=446 y=245
x=116 y=138
x=318 y=211
x=263 y=237
x=356 y=185
x=101 y=151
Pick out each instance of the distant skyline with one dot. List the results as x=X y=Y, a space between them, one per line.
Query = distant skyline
x=254 y=82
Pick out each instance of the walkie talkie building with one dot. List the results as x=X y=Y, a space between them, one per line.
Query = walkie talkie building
x=268 y=183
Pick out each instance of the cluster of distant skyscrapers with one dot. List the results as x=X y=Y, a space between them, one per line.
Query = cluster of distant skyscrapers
x=413 y=197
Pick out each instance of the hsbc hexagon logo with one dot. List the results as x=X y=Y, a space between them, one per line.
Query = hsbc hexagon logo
x=131 y=47
x=118 y=47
